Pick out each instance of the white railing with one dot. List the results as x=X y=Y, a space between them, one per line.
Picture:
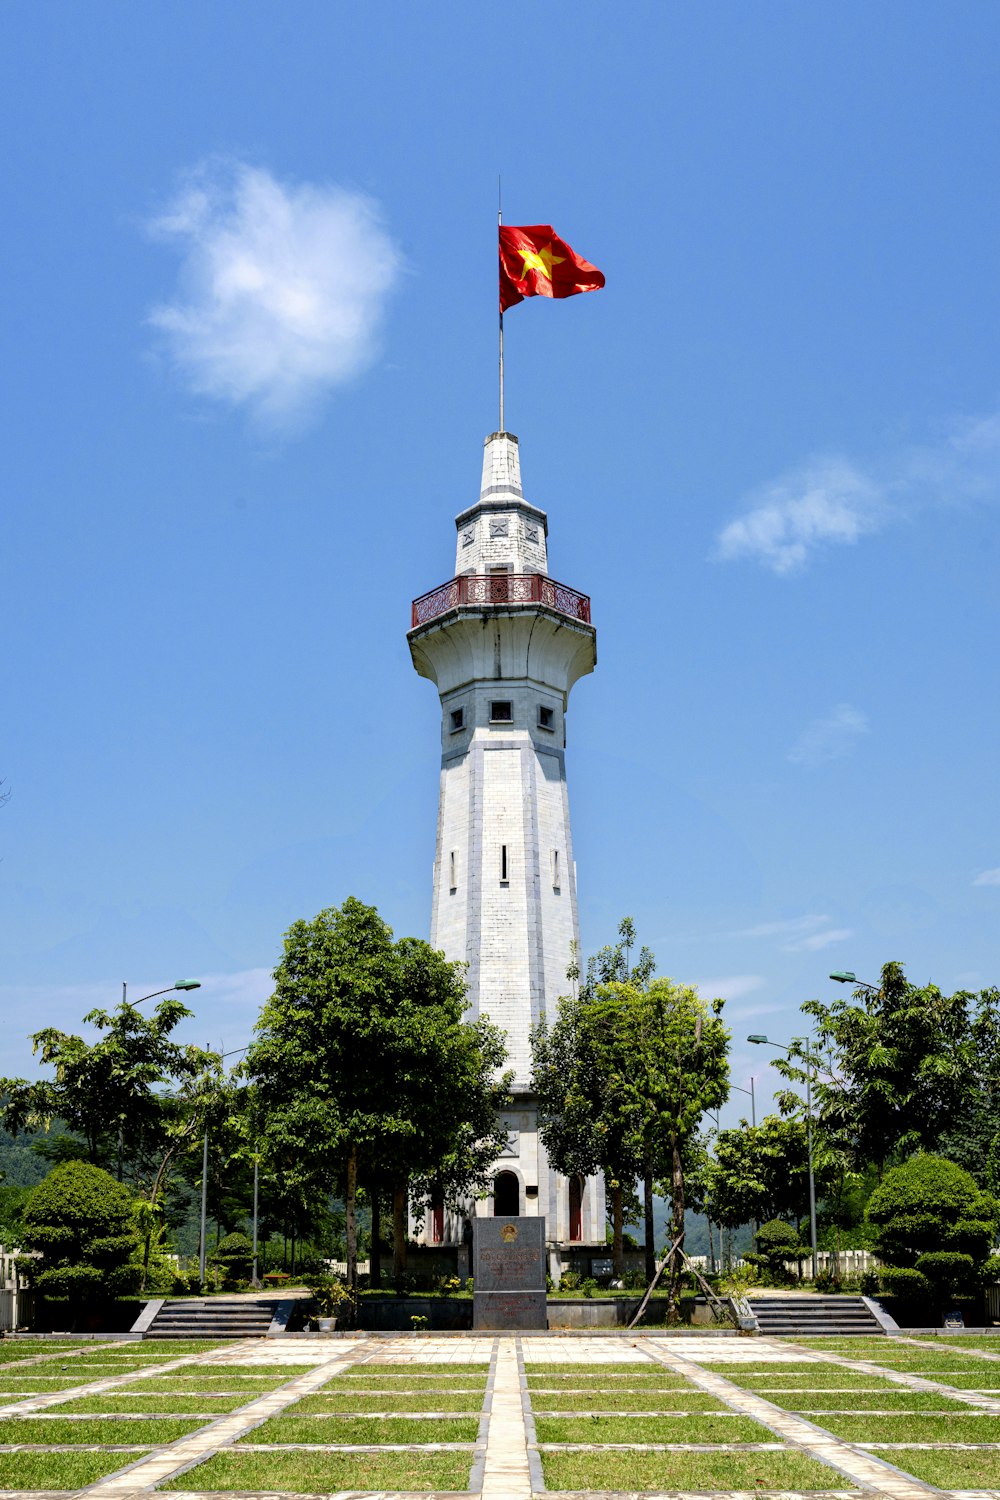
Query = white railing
x=14 y=1294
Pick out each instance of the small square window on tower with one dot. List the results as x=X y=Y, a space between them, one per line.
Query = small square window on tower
x=457 y=719
x=501 y=711
x=546 y=717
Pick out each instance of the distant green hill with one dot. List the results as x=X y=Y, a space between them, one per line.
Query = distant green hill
x=19 y=1165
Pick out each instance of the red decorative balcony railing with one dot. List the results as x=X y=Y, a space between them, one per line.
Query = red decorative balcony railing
x=484 y=589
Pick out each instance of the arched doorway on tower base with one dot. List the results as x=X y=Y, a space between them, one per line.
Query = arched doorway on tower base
x=506 y=1194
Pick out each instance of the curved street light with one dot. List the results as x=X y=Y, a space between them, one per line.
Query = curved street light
x=847 y=976
x=764 y=1041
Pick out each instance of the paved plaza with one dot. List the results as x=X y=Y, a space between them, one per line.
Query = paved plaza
x=504 y=1416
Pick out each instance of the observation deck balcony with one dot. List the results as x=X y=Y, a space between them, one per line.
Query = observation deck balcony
x=485 y=590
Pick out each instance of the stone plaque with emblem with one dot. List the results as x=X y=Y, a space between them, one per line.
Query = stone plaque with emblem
x=508 y=1269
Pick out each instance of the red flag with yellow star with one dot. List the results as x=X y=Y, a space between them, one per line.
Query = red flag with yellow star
x=535 y=262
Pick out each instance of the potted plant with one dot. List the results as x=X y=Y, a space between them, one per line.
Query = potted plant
x=332 y=1297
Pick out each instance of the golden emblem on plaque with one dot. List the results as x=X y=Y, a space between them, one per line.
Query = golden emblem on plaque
x=508 y=1233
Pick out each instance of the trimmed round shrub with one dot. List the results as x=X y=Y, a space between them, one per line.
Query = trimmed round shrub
x=234 y=1257
x=948 y=1271
x=83 y=1222
x=904 y=1282
x=928 y=1205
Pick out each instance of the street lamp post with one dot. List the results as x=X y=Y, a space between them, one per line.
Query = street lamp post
x=763 y=1040
x=180 y=984
x=847 y=976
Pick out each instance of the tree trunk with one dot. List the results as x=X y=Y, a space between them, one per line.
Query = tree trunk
x=618 y=1241
x=399 y=1227
x=676 y=1230
x=375 y=1253
x=351 y=1216
x=711 y=1245
x=647 y=1200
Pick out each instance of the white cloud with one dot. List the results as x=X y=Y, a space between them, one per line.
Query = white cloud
x=828 y=501
x=830 y=737
x=817 y=940
x=786 y=928
x=281 y=290
x=730 y=986
x=987 y=877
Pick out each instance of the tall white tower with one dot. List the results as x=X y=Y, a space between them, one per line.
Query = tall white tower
x=504 y=643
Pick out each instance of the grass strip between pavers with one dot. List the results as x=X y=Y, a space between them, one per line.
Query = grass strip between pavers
x=689 y=1471
x=204 y=1379
x=401 y=1367
x=288 y=1429
x=127 y=1401
x=583 y=1380
x=538 y=1366
x=101 y=1430
x=723 y=1427
x=327 y=1473
x=58 y=1471
x=363 y=1401
x=615 y=1400
x=919 y=1429
x=951 y=1470
x=858 y=1401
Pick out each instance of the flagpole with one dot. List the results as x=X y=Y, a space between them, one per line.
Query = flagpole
x=499 y=222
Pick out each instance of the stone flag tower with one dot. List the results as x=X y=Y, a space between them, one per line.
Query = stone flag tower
x=503 y=643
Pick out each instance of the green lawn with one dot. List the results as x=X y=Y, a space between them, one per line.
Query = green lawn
x=979 y=1381
x=101 y=1430
x=540 y=1367
x=381 y=1382
x=205 y=1380
x=971 y=1470
x=703 y=1428
x=688 y=1471
x=367 y=1401
x=288 y=1429
x=988 y=1341
x=615 y=1400
x=58 y=1471
x=326 y=1473
x=33 y=1386
x=893 y=1400
x=584 y=1380
x=397 y=1367
x=918 y=1429
x=183 y=1401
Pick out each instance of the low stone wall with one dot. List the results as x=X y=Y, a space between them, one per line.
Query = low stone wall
x=395 y=1314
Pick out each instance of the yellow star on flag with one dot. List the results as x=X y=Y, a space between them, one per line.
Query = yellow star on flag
x=539 y=260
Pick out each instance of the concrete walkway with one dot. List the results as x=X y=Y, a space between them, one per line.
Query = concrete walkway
x=506 y=1460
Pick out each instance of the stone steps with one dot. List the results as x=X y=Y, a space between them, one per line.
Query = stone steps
x=814 y=1316
x=213 y=1318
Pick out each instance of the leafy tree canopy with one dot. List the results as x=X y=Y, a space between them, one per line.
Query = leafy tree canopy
x=904 y=1067
x=363 y=1066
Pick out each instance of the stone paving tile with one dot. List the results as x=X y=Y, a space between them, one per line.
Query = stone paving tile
x=861 y=1468
x=916 y=1382
x=506 y=1471
x=190 y=1450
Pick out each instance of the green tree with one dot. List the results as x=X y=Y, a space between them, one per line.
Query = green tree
x=903 y=1068
x=614 y=964
x=760 y=1172
x=623 y=1078
x=84 y=1224
x=364 y=1069
x=110 y=1092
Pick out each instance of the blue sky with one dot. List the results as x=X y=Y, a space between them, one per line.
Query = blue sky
x=249 y=306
